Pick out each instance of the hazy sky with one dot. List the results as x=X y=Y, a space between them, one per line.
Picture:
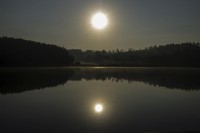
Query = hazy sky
x=132 y=23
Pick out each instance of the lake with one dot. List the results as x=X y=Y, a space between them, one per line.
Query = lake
x=99 y=100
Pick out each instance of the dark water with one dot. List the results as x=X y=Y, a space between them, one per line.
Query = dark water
x=61 y=100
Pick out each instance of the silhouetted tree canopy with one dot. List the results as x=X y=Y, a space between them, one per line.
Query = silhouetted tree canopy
x=171 y=55
x=19 y=52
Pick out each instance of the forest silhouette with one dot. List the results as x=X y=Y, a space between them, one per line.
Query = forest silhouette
x=19 y=52
x=23 y=53
x=170 y=55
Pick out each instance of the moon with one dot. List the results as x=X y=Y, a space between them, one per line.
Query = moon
x=99 y=21
x=98 y=108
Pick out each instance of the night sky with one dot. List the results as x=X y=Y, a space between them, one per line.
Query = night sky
x=132 y=23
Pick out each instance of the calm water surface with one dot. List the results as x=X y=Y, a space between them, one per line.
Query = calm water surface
x=102 y=100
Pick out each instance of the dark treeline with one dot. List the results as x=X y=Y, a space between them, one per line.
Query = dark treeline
x=171 y=55
x=19 y=80
x=19 y=52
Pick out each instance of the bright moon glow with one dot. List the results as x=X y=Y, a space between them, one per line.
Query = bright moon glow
x=99 y=21
x=98 y=108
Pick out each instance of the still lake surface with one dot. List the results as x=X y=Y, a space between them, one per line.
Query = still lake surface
x=99 y=99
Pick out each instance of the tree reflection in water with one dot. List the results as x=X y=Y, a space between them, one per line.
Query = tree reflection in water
x=16 y=80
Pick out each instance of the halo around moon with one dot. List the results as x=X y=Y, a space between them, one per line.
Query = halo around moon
x=99 y=21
